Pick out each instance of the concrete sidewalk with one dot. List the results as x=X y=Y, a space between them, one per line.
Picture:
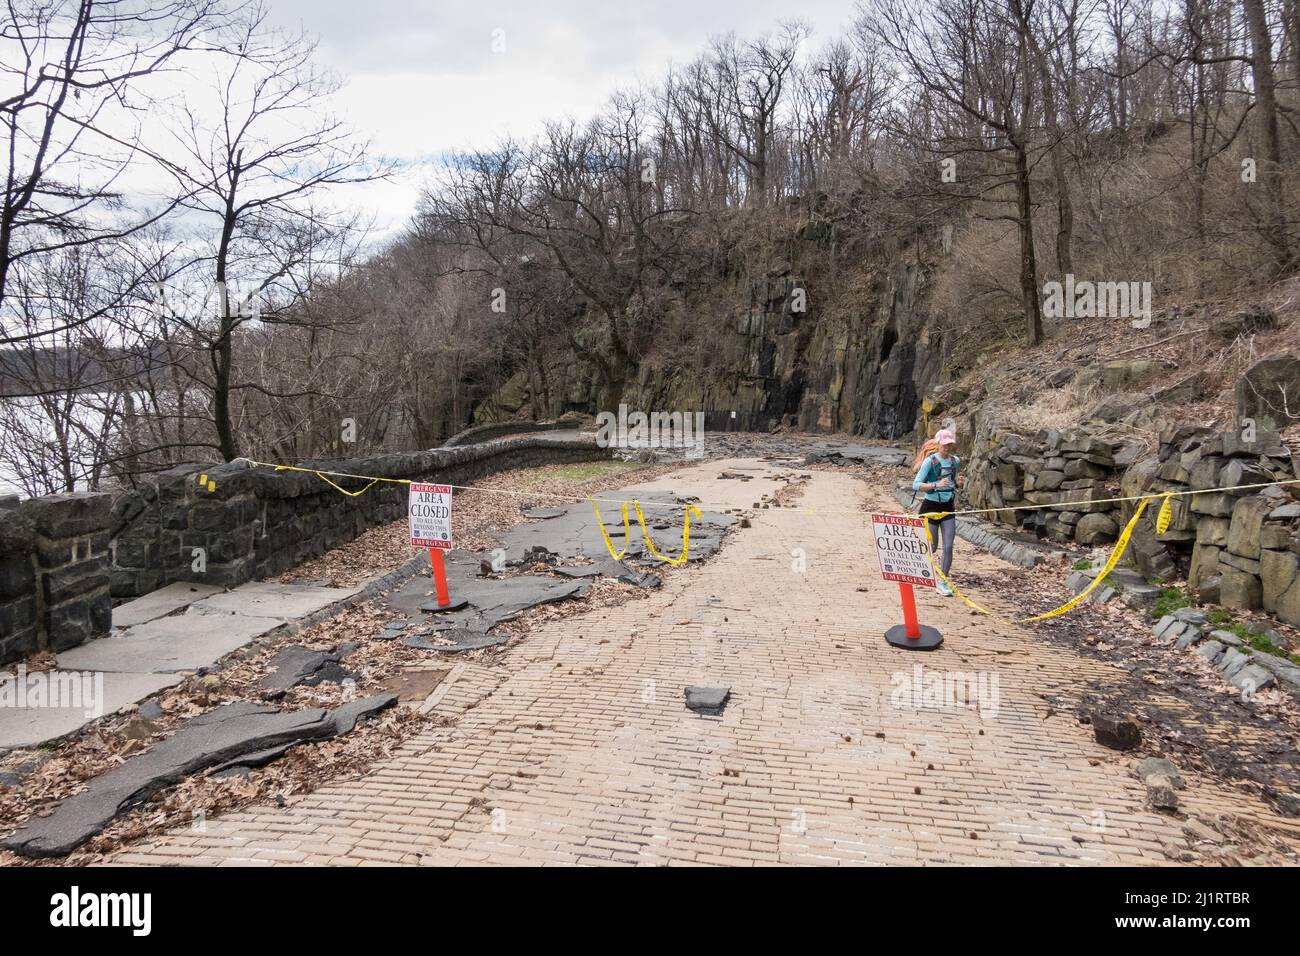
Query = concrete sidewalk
x=156 y=639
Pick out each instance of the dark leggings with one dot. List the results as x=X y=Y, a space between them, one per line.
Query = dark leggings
x=944 y=529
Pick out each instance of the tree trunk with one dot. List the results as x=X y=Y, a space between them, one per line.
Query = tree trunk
x=223 y=347
x=1064 y=208
x=1270 y=167
x=1028 y=262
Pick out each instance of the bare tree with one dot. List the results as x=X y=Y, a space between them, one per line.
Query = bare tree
x=253 y=175
x=75 y=92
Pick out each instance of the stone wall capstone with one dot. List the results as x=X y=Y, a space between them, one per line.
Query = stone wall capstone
x=487 y=432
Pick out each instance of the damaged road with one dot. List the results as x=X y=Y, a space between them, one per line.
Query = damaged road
x=549 y=556
x=229 y=736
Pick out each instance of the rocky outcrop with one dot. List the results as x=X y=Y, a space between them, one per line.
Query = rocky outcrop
x=793 y=348
x=1268 y=394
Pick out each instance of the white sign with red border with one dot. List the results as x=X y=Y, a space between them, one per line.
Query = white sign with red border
x=900 y=547
x=430 y=513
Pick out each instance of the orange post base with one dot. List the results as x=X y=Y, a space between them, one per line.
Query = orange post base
x=911 y=625
x=912 y=635
x=439 y=576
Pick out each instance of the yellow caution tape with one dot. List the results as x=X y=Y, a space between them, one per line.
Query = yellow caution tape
x=935 y=515
x=686 y=533
x=645 y=533
x=1166 y=514
x=1116 y=553
x=627 y=531
x=350 y=494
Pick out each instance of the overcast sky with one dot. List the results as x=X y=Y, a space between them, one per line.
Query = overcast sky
x=422 y=77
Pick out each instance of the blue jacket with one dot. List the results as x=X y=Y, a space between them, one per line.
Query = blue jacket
x=933 y=469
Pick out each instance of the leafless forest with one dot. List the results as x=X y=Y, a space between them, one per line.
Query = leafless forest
x=180 y=278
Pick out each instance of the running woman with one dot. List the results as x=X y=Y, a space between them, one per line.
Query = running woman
x=937 y=477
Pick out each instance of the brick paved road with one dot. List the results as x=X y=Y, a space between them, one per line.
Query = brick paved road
x=576 y=747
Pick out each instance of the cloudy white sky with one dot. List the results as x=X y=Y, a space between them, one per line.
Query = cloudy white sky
x=422 y=77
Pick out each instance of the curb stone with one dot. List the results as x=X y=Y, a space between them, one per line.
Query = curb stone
x=1241 y=666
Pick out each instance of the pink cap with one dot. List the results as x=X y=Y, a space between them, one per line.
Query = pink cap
x=945 y=437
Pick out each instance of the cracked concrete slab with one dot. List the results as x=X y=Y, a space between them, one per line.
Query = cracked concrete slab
x=179 y=628
x=489 y=600
x=576 y=534
x=283 y=601
x=216 y=738
x=30 y=726
x=568 y=533
x=181 y=642
x=609 y=568
x=162 y=602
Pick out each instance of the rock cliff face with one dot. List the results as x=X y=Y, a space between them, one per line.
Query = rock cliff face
x=793 y=349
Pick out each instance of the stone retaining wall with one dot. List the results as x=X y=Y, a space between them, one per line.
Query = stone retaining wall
x=481 y=433
x=61 y=557
x=54 y=585
x=1240 y=548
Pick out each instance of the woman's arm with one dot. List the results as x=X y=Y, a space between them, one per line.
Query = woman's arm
x=923 y=475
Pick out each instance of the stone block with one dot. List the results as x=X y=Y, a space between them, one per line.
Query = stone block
x=1095 y=529
x=1082 y=468
x=1229 y=560
x=1210 y=651
x=1278 y=572
x=16 y=575
x=1239 y=590
x=1216 y=504
x=69 y=515
x=1247 y=520
x=1213 y=531
x=1266 y=392
x=1232 y=661
x=1205 y=473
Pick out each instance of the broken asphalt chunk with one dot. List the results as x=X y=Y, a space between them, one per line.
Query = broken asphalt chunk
x=296 y=665
x=709 y=701
x=218 y=738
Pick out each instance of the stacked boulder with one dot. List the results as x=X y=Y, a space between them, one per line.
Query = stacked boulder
x=1243 y=545
x=1064 y=472
x=1239 y=548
